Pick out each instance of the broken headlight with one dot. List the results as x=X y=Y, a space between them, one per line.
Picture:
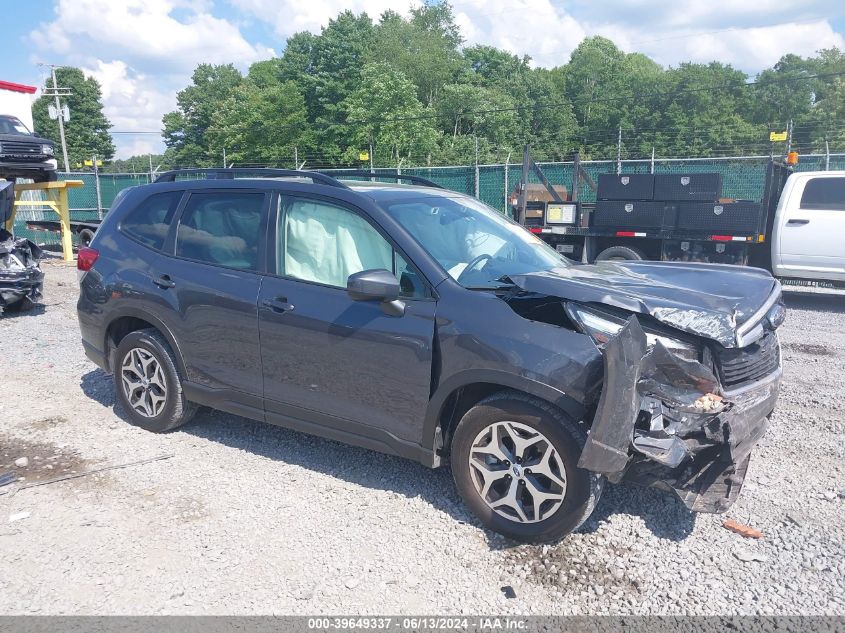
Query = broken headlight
x=602 y=327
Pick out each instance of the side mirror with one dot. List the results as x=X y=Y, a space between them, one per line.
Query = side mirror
x=376 y=285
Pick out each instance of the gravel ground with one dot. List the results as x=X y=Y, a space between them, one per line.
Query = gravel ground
x=247 y=518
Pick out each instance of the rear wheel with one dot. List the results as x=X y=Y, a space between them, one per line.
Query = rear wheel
x=147 y=383
x=620 y=253
x=85 y=237
x=514 y=460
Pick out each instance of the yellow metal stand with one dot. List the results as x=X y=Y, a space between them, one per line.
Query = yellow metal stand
x=55 y=194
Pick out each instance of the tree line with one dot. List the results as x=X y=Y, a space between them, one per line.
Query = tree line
x=411 y=92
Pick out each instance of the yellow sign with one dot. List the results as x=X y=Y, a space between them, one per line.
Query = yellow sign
x=364 y=156
x=89 y=163
x=774 y=137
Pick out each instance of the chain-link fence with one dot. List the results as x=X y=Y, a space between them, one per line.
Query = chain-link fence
x=743 y=178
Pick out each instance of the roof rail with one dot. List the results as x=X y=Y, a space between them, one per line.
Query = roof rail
x=393 y=175
x=228 y=173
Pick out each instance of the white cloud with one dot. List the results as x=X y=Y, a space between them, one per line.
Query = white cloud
x=534 y=27
x=146 y=33
x=142 y=52
x=291 y=16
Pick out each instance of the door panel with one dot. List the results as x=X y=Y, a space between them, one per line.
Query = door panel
x=326 y=358
x=215 y=281
x=334 y=356
x=811 y=233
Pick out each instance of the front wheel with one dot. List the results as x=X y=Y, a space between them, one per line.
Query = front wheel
x=514 y=460
x=147 y=382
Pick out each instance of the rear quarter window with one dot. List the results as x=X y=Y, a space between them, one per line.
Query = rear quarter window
x=824 y=193
x=149 y=222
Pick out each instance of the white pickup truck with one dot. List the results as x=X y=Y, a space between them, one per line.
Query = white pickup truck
x=808 y=234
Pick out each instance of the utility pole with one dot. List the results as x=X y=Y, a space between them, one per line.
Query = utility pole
x=59 y=113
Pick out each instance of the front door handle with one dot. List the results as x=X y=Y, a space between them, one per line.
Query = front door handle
x=797 y=222
x=164 y=282
x=279 y=304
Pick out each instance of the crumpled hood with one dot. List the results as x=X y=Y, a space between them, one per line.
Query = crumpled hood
x=709 y=300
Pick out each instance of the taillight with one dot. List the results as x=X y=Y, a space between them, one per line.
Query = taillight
x=85 y=259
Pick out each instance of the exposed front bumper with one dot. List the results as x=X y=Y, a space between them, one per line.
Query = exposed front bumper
x=19 y=285
x=665 y=421
x=26 y=168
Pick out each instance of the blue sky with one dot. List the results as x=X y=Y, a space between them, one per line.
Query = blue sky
x=143 y=51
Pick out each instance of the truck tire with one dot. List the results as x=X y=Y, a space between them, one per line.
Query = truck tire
x=85 y=237
x=620 y=253
x=511 y=450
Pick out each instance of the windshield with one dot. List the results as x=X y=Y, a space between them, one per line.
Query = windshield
x=476 y=245
x=11 y=125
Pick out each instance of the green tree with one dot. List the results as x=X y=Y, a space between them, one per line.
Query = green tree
x=261 y=123
x=185 y=129
x=384 y=110
x=87 y=132
x=422 y=48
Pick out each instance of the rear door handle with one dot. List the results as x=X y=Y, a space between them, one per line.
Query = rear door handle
x=164 y=282
x=279 y=304
x=797 y=222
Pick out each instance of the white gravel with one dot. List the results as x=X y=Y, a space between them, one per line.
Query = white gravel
x=247 y=518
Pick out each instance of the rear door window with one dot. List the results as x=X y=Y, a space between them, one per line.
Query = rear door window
x=149 y=222
x=222 y=228
x=824 y=193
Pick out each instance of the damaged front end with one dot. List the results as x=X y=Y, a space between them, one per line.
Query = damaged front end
x=666 y=421
x=21 y=277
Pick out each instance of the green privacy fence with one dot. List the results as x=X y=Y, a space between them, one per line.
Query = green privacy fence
x=743 y=177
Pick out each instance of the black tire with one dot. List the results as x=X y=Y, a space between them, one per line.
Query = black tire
x=177 y=410
x=583 y=488
x=85 y=237
x=619 y=253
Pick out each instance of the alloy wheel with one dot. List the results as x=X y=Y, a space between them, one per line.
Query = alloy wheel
x=143 y=382
x=517 y=472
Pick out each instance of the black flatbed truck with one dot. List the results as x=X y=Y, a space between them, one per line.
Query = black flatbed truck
x=566 y=225
x=83 y=229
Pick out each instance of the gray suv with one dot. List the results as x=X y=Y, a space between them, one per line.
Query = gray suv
x=420 y=322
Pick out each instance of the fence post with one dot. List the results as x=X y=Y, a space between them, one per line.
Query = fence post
x=652 y=159
x=619 y=152
x=507 y=183
x=296 y=158
x=477 y=191
x=826 y=156
x=97 y=187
